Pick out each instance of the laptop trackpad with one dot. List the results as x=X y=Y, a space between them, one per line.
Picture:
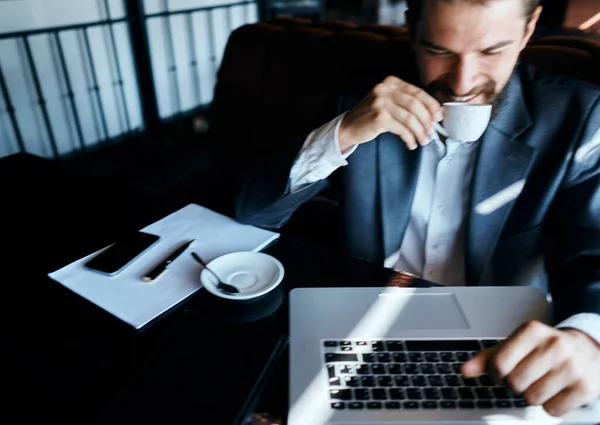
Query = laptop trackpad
x=425 y=311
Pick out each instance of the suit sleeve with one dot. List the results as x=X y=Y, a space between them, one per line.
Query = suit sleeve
x=573 y=259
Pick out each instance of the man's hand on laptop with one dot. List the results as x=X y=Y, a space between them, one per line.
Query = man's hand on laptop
x=555 y=368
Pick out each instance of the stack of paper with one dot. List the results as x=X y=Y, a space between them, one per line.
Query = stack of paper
x=136 y=302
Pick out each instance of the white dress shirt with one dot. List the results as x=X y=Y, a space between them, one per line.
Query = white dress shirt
x=433 y=244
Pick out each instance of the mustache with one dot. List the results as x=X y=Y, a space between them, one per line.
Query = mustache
x=488 y=89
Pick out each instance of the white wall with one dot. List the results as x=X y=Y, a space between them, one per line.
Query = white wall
x=19 y=15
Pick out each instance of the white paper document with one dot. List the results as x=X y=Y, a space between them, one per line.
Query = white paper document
x=128 y=297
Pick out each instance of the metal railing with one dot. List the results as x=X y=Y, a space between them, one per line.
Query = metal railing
x=141 y=52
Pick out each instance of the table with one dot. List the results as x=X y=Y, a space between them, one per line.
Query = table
x=68 y=360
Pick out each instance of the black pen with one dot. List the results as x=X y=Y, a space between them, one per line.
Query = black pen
x=157 y=271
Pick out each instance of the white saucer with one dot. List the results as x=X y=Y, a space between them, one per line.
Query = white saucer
x=253 y=273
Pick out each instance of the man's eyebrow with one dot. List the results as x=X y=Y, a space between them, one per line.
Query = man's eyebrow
x=496 y=46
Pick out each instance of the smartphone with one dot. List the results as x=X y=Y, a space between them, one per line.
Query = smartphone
x=122 y=253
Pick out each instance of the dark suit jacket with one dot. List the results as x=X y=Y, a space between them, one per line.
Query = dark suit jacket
x=549 y=236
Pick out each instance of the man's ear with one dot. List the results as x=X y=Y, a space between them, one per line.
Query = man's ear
x=530 y=28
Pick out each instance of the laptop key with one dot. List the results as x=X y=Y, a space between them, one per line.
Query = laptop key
x=431 y=357
x=486 y=381
x=361 y=343
x=435 y=381
x=345 y=343
x=355 y=405
x=411 y=369
x=346 y=349
x=427 y=369
x=340 y=357
x=402 y=381
x=452 y=381
x=363 y=369
x=338 y=405
x=443 y=368
x=331 y=371
x=503 y=404
x=397 y=394
x=466 y=404
x=368 y=381
x=395 y=346
x=330 y=343
x=392 y=405
x=362 y=394
x=345 y=369
x=384 y=381
x=414 y=394
x=379 y=394
x=341 y=394
x=521 y=403
x=462 y=356
x=447 y=357
x=470 y=382
x=334 y=382
x=352 y=381
x=394 y=369
x=431 y=394
x=374 y=405
x=501 y=393
x=448 y=404
x=456 y=368
x=410 y=404
x=400 y=357
x=441 y=345
x=429 y=405
x=466 y=393
x=449 y=394
x=378 y=369
x=384 y=357
x=484 y=404
x=377 y=346
x=418 y=381
x=489 y=343
x=483 y=393
x=415 y=357
x=368 y=358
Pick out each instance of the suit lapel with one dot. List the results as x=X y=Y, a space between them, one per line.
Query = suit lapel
x=397 y=175
x=503 y=163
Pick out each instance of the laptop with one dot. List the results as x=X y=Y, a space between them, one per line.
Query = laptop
x=393 y=356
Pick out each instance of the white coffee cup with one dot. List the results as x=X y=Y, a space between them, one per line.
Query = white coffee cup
x=464 y=121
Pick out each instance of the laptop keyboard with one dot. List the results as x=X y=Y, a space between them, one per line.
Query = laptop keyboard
x=416 y=374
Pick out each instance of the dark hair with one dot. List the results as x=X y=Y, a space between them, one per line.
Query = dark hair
x=415 y=7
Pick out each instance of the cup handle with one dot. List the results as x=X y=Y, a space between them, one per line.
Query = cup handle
x=438 y=127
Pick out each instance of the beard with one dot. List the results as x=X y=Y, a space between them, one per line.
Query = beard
x=440 y=89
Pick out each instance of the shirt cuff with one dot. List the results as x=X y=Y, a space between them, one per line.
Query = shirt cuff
x=320 y=155
x=588 y=323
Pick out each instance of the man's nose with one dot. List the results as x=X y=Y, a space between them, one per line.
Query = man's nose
x=464 y=76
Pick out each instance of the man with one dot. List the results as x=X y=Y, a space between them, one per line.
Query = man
x=521 y=206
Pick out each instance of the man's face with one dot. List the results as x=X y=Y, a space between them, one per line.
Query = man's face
x=466 y=52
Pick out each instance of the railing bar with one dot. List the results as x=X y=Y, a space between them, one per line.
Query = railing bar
x=211 y=37
x=118 y=66
x=70 y=94
x=228 y=18
x=11 y=112
x=198 y=9
x=41 y=99
x=194 y=62
x=19 y=34
x=95 y=86
x=173 y=66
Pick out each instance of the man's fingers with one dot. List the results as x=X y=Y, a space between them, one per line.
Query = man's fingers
x=405 y=134
x=545 y=388
x=516 y=347
x=532 y=368
x=415 y=107
x=412 y=123
x=478 y=364
x=566 y=400
x=434 y=107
